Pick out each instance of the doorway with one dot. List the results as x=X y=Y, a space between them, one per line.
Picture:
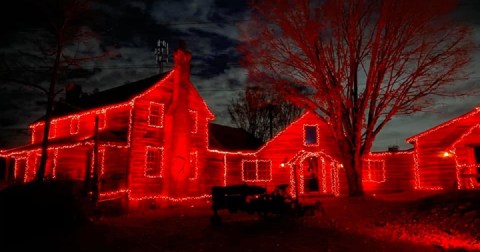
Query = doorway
x=311 y=175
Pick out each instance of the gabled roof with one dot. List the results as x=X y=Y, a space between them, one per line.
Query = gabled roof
x=227 y=138
x=118 y=95
x=458 y=126
x=110 y=96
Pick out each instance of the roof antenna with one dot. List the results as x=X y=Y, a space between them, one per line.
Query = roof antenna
x=161 y=54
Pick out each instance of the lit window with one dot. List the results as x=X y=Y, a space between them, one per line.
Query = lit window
x=153 y=162
x=193 y=120
x=257 y=170
x=193 y=168
x=155 y=115
x=375 y=171
x=310 y=135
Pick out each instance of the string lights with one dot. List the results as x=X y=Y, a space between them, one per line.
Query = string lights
x=156 y=114
x=255 y=167
x=375 y=171
x=153 y=162
x=194 y=116
x=74 y=125
x=193 y=165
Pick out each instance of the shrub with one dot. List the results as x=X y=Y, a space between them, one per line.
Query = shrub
x=39 y=209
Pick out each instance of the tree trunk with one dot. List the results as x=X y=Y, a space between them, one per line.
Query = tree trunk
x=46 y=131
x=48 y=114
x=354 y=177
x=354 y=173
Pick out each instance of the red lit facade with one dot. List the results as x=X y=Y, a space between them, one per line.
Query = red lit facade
x=155 y=141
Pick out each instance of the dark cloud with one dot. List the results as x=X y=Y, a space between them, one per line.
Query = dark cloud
x=130 y=29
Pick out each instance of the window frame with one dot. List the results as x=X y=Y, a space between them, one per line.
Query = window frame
x=52 y=132
x=194 y=117
x=159 y=117
x=375 y=171
x=256 y=168
x=193 y=165
x=305 y=138
x=157 y=162
x=74 y=125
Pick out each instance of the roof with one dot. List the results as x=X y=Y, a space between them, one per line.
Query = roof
x=116 y=95
x=104 y=137
x=111 y=96
x=227 y=138
x=458 y=126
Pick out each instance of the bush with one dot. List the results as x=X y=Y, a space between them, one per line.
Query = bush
x=36 y=210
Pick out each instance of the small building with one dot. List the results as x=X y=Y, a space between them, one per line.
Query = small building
x=447 y=156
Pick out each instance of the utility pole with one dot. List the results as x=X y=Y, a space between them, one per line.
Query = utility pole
x=96 y=172
x=161 y=54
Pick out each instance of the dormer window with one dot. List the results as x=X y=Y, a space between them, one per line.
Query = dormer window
x=310 y=135
x=155 y=115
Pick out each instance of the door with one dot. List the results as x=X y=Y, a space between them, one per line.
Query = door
x=310 y=167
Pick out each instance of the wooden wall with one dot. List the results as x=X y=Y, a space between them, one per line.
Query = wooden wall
x=398 y=172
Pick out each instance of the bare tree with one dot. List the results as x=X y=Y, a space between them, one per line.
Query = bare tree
x=262 y=113
x=362 y=62
x=52 y=50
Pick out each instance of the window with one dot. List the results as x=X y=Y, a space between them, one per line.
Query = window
x=53 y=129
x=256 y=170
x=74 y=125
x=263 y=170
x=193 y=168
x=193 y=120
x=102 y=119
x=375 y=171
x=310 y=135
x=153 y=162
x=155 y=115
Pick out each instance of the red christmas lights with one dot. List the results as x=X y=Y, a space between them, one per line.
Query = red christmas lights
x=153 y=162
x=194 y=116
x=193 y=165
x=52 y=133
x=375 y=171
x=156 y=114
x=74 y=125
x=253 y=167
x=466 y=165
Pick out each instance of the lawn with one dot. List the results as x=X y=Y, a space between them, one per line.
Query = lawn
x=393 y=222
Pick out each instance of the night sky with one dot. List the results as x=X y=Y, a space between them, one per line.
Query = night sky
x=210 y=28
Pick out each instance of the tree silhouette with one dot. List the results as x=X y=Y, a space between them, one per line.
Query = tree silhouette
x=361 y=61
x=262 y=113
x=54 y=48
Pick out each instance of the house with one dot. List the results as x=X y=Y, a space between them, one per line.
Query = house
x=154 y=141
x=448 y=156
